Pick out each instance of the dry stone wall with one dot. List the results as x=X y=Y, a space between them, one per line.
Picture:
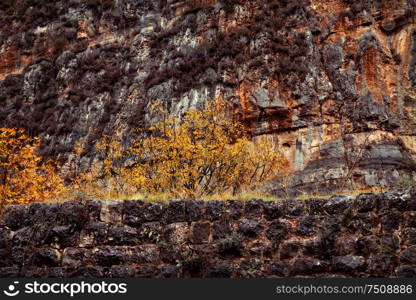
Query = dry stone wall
x=372 y=235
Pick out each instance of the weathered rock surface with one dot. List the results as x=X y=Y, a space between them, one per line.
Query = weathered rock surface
x=331 y=82
x=264 y=244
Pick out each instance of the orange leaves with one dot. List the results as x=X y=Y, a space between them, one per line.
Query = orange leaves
x=23 y=177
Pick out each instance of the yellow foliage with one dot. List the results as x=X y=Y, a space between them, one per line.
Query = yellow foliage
x=23 y=176
x=206 y=153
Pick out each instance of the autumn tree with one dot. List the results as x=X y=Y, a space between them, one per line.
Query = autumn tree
x=24 y=177
x=205 y=153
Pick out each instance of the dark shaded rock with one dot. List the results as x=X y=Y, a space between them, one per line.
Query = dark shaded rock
x=170 y=253
x=220 y=269
x=142 y=254
x=316 y=206
x=200 y=232
x=73 y=213
x=391 y=221
x=409 y=255
x=252 y=268
x=93 y=234
x=308 y=266
x=22 y=256
x=278 y=230
x=261 y=249
x=214 y=210
x=5 y=258
x=289 y=250
x=169 y=271
x=345 y=246
x=409 y=236
x=57 y=272
x=23 y=237
x=176 y=211
x=5 y=237
x=147 y=272
x=410 y=219
x=108 y=256
x=64 y=236
x=10 y=272
x=306 y=226
x=88 y=272
x=132 y=212
x=367 y=245
x=150 y=233
x=361 y=222
x=231 y=246
x=94 y=209
x=221 y=229
x=273 y=210
x=390 y=243
x=382 y=265
x=120 y=235
x=75 y=257
x=152 y=212
x=279 y=268
x=234 y=209
x=366 y=202
x=331 y=226
x=46 y=257
x=294 y=208
x=122 y=272
x=348 y=264
x=45 y=214
x=253 y=209
x=337 y=204
x=392 y=200
x=250 y=228
x=15 y=216
x=406 y=272
x=195 y=209
x=193 y=263
x=312 y=248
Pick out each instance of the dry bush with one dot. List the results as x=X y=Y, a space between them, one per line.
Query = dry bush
x=24 y=178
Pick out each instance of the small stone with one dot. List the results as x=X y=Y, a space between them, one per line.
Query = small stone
x=221 y=269
x=278 y=230
x=348 y=264
x=389 y=243
x=195 y=209
x=64 y=236
x=409 y=236
x=410 y=219
x=306 y=226
x=337 y=204
x=294 y=208
x=15 y=216
x=366 y=202
x=147 y=272
x=200 y=232
x=382 y=265
x=176 y=211
x=150 y=233
x=316 y=206
x=122 y=272
x=289 y=250
x=308 y=266
x=253 y=209
x=73 y=213
x=120 y=235
x=234 y=209
x=176 y=233
x=390 y=221
x=23 y=236
x=221 y=229
x=108 y=256
x=367 y=245
x=250 y=228
x=169 y=271
x=401 y=272
x=132 y=212
x=89 y=272
x=345 y=246
x=75 y=257
x=279 y=268
x=46 y=257
x=214 y=210
x=112 y=211
x=409 y=255
x=252 y=268
x=5 y=237
x=273 y=210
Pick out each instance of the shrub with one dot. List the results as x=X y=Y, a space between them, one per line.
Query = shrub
x=24 y=178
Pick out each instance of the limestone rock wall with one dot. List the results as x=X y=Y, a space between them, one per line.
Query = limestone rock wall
x=372 y=235
x=331 y=82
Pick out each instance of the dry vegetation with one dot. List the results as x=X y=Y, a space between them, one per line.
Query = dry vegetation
x=204 y=154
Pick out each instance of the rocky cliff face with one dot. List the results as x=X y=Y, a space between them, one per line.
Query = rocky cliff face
x=331 y=82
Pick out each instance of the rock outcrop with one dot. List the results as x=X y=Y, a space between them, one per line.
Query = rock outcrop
x=331 y=82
